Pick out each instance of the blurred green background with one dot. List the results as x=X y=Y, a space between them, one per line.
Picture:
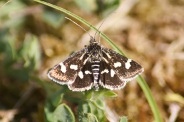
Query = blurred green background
x=33 y=38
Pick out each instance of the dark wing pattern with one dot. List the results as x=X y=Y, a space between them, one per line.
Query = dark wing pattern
x=84 y=79
x=108 y=77
x=67 y=71
x=126 y=69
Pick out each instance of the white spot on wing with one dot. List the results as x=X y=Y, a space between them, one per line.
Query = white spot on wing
x=112 y=73
x=117 y=64
x=63 y=67
x=127 y=64
x=87 y=72
x=72 y=66
x=81 y=75
x=105 y=71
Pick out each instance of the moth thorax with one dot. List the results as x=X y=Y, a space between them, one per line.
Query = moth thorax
x=95 y=56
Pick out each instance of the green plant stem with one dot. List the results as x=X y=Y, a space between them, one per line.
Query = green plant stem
x=140 y=80
x=149 y=97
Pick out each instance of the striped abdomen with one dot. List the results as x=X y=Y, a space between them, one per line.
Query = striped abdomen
x=96 y=71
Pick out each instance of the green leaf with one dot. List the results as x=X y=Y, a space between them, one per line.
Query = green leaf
x=123 y=119
x=48 y=112
x=56 y=99
x=91 y=107
x=84 y=107
x=88 y=117
x=103 y=93
x=31 y=52
x=97 y=108
x=63 y=114
x=89 y=94
x=110 y=94
x=101 y=103
x=52 y=103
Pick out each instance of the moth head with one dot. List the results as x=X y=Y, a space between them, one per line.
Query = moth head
x=93 y=40
x=94 y=49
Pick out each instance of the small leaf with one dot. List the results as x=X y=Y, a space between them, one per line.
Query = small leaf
x=102 y=94
x=110 y=94
x=31 y=52
x=63 y=114
x=88 y=117
x=48 y=112
x=57 y=98
x=84 y=108
x=98 y=103
x=123 y=119
x=89 y=94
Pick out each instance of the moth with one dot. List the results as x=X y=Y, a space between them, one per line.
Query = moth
x=95 y=67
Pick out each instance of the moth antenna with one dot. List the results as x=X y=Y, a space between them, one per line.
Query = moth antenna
x=99 y=38
x=78 y=25
x=99 y=31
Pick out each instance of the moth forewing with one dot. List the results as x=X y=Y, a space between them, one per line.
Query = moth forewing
x=84 y=79
x=67 y=71
x=125 y=68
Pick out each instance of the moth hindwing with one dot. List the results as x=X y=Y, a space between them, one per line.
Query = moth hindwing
x=95 y=66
